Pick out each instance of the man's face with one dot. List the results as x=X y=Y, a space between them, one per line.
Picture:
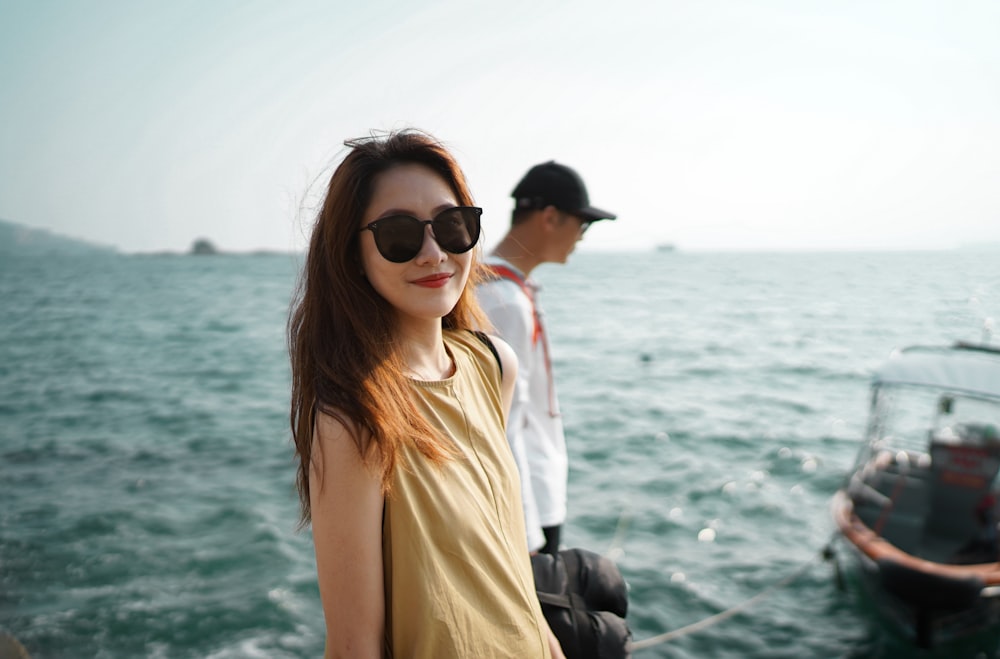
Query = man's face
x=569 y=230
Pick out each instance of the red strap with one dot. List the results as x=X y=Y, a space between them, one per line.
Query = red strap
x=504 y=272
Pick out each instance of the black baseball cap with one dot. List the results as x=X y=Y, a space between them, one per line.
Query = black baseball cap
x=552 y=184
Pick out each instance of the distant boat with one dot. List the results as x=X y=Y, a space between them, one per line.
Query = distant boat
x=666 y=247
x=918 y=511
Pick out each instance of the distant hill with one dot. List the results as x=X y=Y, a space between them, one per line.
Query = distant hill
x=19 y=239
x=203 y=246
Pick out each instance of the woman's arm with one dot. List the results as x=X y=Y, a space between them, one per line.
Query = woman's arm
x=346 y=499
x=508 y=360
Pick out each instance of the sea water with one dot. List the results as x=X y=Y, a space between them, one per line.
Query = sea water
x=712 y=404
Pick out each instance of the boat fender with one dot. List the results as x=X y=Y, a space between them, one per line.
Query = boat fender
x=585 y=599
x=925 y=590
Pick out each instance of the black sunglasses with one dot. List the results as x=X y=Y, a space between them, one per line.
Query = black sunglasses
x=400 y=237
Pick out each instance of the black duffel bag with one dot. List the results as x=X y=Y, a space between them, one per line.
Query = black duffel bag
x=584 y=599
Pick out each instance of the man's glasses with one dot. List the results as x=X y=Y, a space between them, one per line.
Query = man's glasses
x=400 y=237
x=584 y=223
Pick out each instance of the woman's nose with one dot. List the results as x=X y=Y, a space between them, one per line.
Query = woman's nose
x=430 y=251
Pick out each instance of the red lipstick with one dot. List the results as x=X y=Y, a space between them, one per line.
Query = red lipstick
x=433 y=281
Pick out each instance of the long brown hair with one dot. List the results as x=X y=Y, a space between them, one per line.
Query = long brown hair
x=342 y=336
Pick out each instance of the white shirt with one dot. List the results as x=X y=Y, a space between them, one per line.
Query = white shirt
x=534 y=427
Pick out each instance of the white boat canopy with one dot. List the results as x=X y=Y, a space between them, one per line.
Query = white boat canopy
x=961 y=368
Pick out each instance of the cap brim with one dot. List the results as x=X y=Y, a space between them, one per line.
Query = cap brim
x=595 y=214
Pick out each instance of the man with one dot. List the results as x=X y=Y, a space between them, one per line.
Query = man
x=551 y=213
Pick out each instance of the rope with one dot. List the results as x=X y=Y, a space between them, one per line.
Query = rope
x=728 y=613
x=615 y=549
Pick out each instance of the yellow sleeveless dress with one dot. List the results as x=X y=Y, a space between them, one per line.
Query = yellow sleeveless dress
x=458 y=581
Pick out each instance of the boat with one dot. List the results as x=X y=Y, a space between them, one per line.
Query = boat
x=917 y=513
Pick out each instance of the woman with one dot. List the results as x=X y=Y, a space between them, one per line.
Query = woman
x=398 y=419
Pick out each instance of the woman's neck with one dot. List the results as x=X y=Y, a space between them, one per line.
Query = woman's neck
x=424 y=354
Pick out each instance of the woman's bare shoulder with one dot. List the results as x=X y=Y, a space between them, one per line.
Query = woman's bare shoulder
x=337 y=439
x=508 y=358
x=337 y=456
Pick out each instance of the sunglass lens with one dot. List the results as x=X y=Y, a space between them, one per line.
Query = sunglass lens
x=456 y=230
x=399 y=238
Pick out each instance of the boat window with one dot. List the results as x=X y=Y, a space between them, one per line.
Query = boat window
x=967 y=421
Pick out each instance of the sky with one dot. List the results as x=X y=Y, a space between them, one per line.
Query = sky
x=706 y=124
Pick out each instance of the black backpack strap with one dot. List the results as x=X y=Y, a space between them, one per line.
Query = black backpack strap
x=482 y=336
x=568 y=601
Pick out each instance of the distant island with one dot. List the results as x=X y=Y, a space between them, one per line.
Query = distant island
x=203 y=246
x=19 y=239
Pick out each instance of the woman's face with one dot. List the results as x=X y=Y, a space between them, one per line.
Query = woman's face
x=428 y=286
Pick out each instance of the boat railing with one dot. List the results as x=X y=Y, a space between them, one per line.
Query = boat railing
x=861 y=493
x=931 y=504
x=890 y=496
